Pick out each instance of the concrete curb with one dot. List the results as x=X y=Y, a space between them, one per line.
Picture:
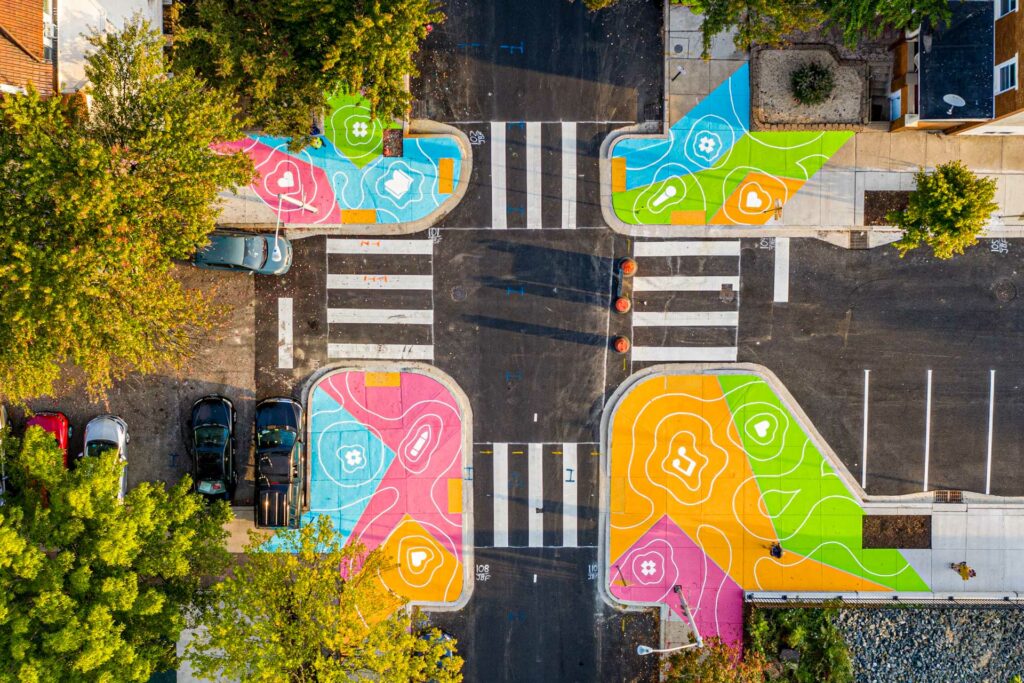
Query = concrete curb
x=467 y=453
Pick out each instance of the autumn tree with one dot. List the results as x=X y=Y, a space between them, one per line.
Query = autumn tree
x=716 y=662
x=859 y=18
x=282 y=59
x=947 y=210
x=757 y=22
x=94 y=206
x=93 y=588
x=313 y=609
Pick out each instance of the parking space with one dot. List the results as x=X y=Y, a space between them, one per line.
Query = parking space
x=869 y=323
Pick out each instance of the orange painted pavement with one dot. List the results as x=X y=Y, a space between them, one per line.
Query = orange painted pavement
x=675 y=450
x=752 y=200
x=423 y=569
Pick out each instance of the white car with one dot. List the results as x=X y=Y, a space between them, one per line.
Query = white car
x=106 y=432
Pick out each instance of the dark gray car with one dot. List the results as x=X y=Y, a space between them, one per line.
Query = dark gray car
x=246 y=253
x=280 y=463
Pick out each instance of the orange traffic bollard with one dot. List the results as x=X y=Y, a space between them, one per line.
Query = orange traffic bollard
x=627 y=266
x=621 y=344
x=622 y=304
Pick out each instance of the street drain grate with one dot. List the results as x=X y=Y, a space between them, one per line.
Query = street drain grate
x=458 y=293
x=949 y=496
x=1004 y=291
x=727 y=294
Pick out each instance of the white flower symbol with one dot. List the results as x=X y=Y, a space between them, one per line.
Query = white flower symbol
x=360 y=129
x=706 y=144
x=648 y=567
x=353 y=457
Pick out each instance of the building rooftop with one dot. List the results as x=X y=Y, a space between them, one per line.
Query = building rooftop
x=956 y=63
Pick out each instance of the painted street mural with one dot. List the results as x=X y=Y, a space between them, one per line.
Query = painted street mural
x=347 y=179
x=707 y=474
x=711 y=170
x=386 y=467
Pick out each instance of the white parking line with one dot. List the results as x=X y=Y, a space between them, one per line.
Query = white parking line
x=381 y=351
x=536 y=495
x=380 y=316
x=991 y=425
x=927 y=430
x=684 y=283
x=692 y=248
x=570 y=477
x=500 y=495
x=864 y=438
x=499 y=212
x=686 y=319
x=534 y=176
x=375 y=246
x=781 y=269
x=285 y=339
x=568 y=174
x=683 y=353
x=366 y=281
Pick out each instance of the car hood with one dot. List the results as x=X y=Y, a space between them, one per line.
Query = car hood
x=277 y=414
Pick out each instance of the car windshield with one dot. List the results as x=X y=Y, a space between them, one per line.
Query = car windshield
x=255 y=253
x=97 y=448
x=211 y=438
x=276 y=438
x=209 y=465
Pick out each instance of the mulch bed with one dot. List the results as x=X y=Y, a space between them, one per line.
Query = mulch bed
x=393 y=142
x=897 y=531
x=878 y=203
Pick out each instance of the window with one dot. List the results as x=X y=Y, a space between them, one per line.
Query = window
x=1007 y=6
x=1006 y=75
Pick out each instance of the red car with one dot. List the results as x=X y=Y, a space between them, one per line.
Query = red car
x=55 y=423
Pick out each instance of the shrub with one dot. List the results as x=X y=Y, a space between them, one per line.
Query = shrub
x=812 y=83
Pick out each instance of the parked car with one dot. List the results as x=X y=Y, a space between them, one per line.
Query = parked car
x=246 y=252
x=57 y=424
x=104 y=433
x=280 y=463
x=212 y=442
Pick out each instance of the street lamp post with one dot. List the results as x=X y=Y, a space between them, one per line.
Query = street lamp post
x=646 y=650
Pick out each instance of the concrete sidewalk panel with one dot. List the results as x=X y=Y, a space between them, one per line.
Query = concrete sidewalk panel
x=940 y=149
x=873 y=151
x=694 y=79
x=982 y=153
x=805 y=207
x=907 y=150
x=838 y=196
x=1012 y=185
x=1013 y=155
x=882 y=181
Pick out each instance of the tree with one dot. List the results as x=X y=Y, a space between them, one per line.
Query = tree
x=950 y=206
x=716 y=662
x=94 y=205
x=856 y=18
x=313 y=610
x=93 y=588
x=282 y=59
x=757 y=22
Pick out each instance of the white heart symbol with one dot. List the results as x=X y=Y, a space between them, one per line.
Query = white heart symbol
x=286 y=180
x=417 y=557
x=762 y=427
x=753 y=200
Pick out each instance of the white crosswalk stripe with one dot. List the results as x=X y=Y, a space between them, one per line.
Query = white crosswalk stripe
x=685 y=301
x=380 y=299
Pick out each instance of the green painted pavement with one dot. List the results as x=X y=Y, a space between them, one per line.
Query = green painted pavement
x=350 y=127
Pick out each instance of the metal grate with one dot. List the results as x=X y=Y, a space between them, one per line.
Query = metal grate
x=949 y=496
x=652 y=111
x=727 y=293
x=859 y=240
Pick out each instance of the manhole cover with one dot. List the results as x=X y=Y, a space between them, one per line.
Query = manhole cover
x=313 y=323
x=458 y=293
x=677 y=48
x=1004 y=291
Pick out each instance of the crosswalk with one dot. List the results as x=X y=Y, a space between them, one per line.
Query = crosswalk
x=535 y=494
x=685 y=301
x=380 y=299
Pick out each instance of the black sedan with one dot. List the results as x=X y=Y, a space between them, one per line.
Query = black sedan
x=280 y=463
x=212 y=431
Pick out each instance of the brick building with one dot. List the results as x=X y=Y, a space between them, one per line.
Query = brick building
x=27 y=39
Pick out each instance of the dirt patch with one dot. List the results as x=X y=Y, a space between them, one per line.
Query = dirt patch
x=897 y=531
x=773 y=104
x=878 y=203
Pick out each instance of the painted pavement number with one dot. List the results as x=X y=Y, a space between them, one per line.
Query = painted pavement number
x=535 y=495
x=386 y=467
x=706 y=473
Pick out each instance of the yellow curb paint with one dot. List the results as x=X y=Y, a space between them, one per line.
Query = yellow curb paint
x=358 y=216
x=618 y=174
x=455 y=496
x=445 y=176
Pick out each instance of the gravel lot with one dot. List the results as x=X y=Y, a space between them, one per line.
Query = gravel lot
x=156 y=407
x=946 y=645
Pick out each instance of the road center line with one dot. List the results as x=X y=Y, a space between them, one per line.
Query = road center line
x=991 y=425
x=500 y=495
x=927 y=430
x=864 y=438
x=568 y=174
x=569 y=509
x=499 y=211
x=536 y=494
x=534 y=176
x=781 y=269
x=285 y=338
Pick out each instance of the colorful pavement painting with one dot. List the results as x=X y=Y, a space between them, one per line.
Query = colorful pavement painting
x=347 y=180
x=711 y=169
x=706 y=473
x=386 y=467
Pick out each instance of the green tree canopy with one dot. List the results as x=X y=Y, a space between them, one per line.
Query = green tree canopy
x=94 y=205
x=857 y=18
x=313 y=610
x=92 y=588
x=757 y=22
x=950 y=206
x=283 y=57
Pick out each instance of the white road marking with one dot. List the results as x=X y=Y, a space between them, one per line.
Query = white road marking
x=693 y=248
x=534 y=176
x=364 y=281
x=864 y=437
x=991 y=426
x=380 y=316
x=781 y=269
x=684 y=283
x=285 y=339
x=377 y=246
x=500 y=495
x=684 y=353
x=686 y=319
x=568 y=174
x=381 y=351
x=536 y=495
x=927 y=430
x=499 y=211
x=570 y=512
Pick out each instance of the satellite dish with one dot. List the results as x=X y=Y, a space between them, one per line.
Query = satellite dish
x=953 y=101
